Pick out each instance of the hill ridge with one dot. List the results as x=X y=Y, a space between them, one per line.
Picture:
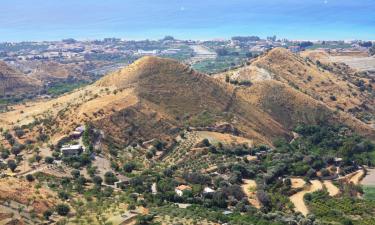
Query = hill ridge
x=14 y=82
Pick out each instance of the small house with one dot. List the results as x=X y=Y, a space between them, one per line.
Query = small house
x=180 y=189
x=208 y=190
x=71 y=150
x=338 y=161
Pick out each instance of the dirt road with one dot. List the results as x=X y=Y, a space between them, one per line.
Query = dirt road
x=297 y=199
x=249 y=188
x=331 y=188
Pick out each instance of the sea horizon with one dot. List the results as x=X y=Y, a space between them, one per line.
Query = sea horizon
x=54 y=20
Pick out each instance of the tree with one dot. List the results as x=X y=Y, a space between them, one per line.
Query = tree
x=75 y=173
x=227 y=78
x=12 y=165
x=306 y=44
x=5 y=154
x=158 y=145
x=62 y=209
x=19 y=132
x=144 y=219
x=206 y=142
x=30 y=177
x=38 y=158
x=149 y=155
x=288 y=182
x=168 y=172
x=48 y=160
x=113 y=152
x=47 y=214
x=366 y=44
x=129 y=167
x=97 y=180
x=333 y=98
x=264 y=198
x=91 y=170
x=168 y=38
x=219 y=200
x=110 y=178
x=372 y=50
x=63 y=195
x=16 y=150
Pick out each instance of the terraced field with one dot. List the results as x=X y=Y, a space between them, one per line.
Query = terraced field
x=181 y=151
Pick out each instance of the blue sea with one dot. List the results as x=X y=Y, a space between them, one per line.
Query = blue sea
x=24 y=20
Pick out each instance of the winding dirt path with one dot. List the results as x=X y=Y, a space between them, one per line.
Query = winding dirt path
x=249 y=188
x=356 y=178
x=297 y=199
x=331 y=188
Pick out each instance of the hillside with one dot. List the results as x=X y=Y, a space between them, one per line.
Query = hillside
x=173 y=95
x=333 y=85
x=157 y=98
x=14 y=82
x=159 y=125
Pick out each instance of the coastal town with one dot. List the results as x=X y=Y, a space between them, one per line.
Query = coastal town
x=114 y=52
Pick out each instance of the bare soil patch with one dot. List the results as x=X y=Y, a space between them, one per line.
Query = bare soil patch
x=297 y=199
x=249 y=188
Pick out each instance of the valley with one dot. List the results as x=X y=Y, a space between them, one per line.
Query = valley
x=279 y=138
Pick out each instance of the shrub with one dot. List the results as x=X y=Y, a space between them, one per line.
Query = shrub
x=110 y=178
x=63 y=195
x=47 y=214
x=75 y=173
x=12 y=165
x=30 y=177
x=97 y=180
x=129 y=167
x=48 y=160
x=62 y=209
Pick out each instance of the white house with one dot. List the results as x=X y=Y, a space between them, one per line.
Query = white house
x=207 y=190
x=71 y=150
x=180 y=189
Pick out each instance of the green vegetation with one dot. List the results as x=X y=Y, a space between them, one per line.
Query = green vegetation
x=372 y=50
x=345 y=210
x=64 y=87
x=62 y=209
x=310 y=156
x=369 y=192
x=203 y=119
x=222 y=63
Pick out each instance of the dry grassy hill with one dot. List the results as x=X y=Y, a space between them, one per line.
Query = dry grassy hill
x=14 y=82
x=172 y=95
x=157 y=98
x=331 y=84
x=48 y=71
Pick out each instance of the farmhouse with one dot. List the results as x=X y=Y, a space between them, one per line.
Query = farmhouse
x=180 y=189
x=71 y=150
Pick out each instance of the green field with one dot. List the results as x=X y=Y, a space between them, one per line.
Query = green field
x=369 y=192
x=61 y=88
x=218 y=65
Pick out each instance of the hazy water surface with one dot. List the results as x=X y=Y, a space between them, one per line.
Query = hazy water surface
x=296 y=19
